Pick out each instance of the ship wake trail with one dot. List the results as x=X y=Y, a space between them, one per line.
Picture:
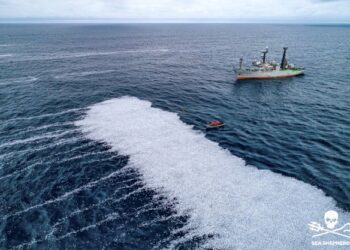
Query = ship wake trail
x=90 y=54
x=241 y=206
x=55 y=162
x=110 y=217
x=51 y=237
x=82 y=74
x=35 y=129
x=19 y=80
x=76 y=110
x=57 y=143
x=49 y=135
x=70 y=193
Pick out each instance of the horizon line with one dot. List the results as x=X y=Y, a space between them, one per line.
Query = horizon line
x=54 y=20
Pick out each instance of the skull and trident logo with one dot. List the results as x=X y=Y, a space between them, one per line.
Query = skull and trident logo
x=331 y=219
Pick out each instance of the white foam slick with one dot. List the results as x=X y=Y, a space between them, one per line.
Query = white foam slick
x=244 y=207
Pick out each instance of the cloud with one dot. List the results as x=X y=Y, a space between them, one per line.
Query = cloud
x=325 y=1
x=177 y=9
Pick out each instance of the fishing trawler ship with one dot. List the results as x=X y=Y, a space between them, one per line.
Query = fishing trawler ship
x=267 y=70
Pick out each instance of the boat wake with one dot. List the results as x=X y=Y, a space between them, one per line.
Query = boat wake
x=241 y=206
x=59 y=56
x=19 y=80
x=5 y=55
x=42 y=116
x=67 y=194
x=83 y=74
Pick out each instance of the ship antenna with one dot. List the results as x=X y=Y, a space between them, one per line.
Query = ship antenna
x=283 y=62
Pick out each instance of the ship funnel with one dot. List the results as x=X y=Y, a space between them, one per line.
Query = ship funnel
x=284 y=60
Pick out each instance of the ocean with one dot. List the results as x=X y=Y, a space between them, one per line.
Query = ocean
x=103 y=140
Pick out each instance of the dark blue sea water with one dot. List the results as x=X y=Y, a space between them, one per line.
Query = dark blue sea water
x=54 y=189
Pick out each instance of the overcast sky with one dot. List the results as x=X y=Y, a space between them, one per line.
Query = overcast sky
x=235 y=10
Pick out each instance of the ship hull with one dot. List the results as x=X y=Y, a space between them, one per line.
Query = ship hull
x=246 y=75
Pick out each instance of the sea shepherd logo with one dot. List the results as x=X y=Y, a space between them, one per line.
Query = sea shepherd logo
x=333 y=234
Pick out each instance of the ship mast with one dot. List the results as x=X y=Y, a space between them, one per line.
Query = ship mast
x=284 y=61
x=264 y=52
